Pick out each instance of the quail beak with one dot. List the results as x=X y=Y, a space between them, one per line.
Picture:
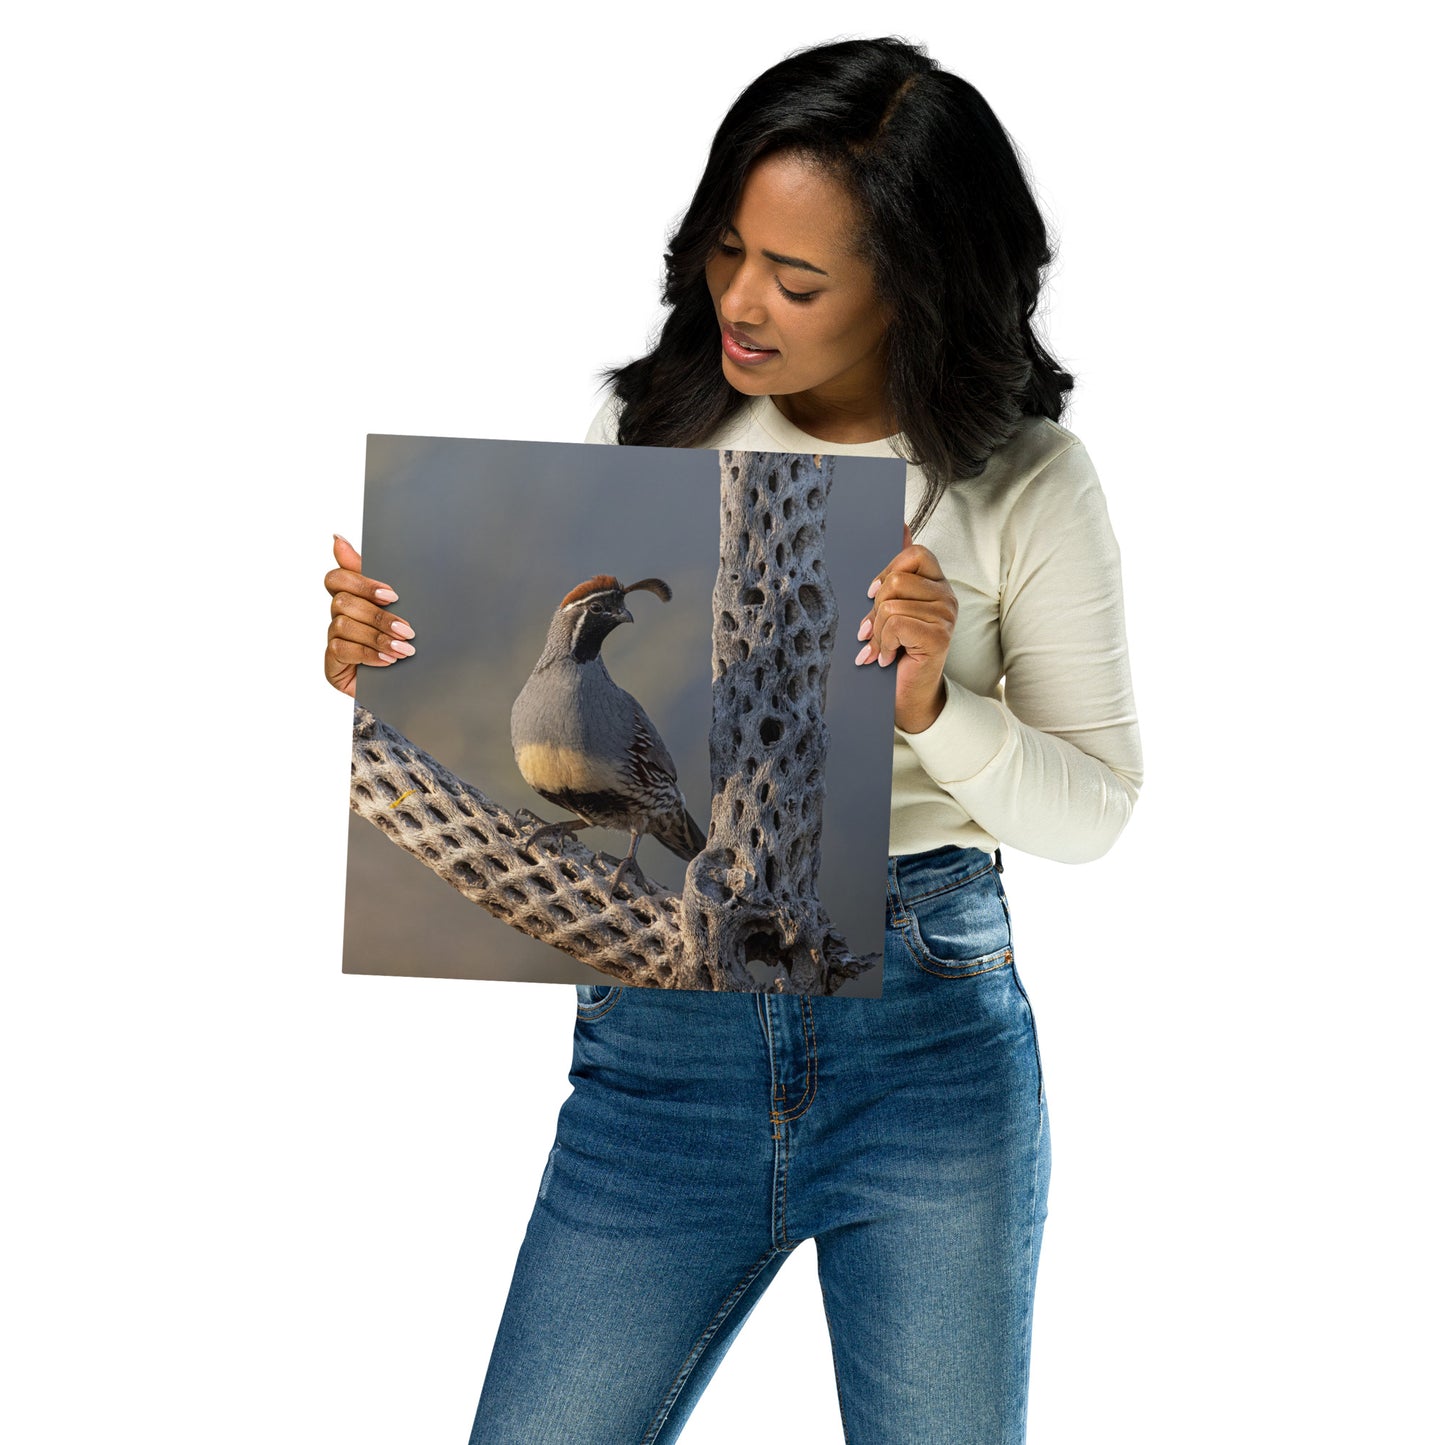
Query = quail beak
x=623 y=615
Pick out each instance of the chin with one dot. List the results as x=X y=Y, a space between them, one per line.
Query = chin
x=745 y=381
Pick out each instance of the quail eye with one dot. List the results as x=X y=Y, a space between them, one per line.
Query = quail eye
x=594 y=607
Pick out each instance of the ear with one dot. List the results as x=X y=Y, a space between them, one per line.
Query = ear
x=655 y=585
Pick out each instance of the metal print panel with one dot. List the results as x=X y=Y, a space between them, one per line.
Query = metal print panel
x=625 y=750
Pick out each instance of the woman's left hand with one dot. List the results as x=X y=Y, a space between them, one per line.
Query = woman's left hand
x=914 y=610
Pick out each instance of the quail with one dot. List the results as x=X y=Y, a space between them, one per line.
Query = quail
x=586 y=745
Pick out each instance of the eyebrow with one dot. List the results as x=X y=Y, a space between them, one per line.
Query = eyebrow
x=794 y=261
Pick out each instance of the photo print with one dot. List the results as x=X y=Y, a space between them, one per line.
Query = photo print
x=625 y=751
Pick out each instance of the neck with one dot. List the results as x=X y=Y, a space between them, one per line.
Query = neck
x=838 y=419
x=569 y=638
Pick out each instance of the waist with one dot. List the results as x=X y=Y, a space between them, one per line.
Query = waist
x=912 y=876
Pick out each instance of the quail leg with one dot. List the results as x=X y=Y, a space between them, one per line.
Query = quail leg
x=630 y=865
x=568 y=826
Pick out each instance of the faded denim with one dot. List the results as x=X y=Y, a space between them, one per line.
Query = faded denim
x=708 y=1135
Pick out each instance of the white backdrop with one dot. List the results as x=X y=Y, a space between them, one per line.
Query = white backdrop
x=251 y=1199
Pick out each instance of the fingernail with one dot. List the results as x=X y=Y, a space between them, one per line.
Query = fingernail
x=405 y=648
x=340 y=538
x=385 y=594
x=866 y=630
x=402 y=630
x=863 y=655
x=388 y=657
x=877 y=583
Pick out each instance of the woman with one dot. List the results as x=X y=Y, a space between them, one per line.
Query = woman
x=857 y=273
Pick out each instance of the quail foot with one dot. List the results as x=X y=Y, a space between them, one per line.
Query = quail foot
x=586 y=745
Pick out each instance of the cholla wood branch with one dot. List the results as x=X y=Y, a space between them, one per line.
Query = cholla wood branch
x=751 y=895
x=559 y=892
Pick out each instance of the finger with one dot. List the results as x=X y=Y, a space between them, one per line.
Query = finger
x=917 y=597
x=360 y=610
x=911 y=584
x=347 y=575
x=346 y=555
x=340 y=579
x=926 y=634
x=940 y=612
x=911 y=559
x=920 y=637
x=382 y=643
x=344 y=650
x=933 y=607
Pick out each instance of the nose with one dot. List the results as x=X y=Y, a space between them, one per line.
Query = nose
x=741 y=302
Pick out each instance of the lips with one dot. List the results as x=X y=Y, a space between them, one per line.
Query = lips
x=741 y=348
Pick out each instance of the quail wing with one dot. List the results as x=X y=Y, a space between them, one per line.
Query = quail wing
x=648 y=758
x=655 y=774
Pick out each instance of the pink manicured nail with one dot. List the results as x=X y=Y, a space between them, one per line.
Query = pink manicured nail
x=877 y=583
x=402 y=630
x=340 y=538
x=863 y=656
x=385 y=594
x=866 y=630
x=404 y=648
x=388 y=657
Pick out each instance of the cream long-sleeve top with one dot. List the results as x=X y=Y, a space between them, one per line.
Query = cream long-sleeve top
x=1037 y=746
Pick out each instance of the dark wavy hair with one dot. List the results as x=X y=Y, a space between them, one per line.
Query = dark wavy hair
x=956 y=243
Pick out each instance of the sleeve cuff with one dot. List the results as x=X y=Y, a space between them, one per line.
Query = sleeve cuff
x=963 y=739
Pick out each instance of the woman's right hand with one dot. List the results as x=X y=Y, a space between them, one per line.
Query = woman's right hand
x=361 y=631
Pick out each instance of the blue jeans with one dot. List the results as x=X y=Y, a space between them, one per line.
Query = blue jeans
x=708 y=1135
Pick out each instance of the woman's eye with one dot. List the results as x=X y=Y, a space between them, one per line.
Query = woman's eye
x=725 y=250
x=796 y=295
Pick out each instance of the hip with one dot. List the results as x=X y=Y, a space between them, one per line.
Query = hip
x=952 y=1002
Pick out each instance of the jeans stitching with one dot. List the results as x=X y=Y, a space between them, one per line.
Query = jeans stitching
x=690 y=1363
x=1033 y=1033
x=780 y=1210
x=947 y=887
x=895 y=899
x=765 y=1011
x=810 y=1084
x=965 y=968
x=833 y=1342
x=590 y=1011
x=1022 y=1345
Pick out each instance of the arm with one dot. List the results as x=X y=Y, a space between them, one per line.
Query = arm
x=1056 y=766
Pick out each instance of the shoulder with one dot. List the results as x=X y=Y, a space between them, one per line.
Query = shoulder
x=1040 y=465
x=1055 y=512
x=1043 y=480
x=604 y=424
x=1034 y=478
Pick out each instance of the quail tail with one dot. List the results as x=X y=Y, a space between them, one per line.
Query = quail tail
x=679 y=833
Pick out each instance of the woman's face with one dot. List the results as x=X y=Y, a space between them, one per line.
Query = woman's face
x=799 y=314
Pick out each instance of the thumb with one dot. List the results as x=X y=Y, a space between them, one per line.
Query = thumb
x=907 y=535
x=346 y=555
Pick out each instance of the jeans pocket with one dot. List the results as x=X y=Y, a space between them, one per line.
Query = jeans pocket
x=596 y=999
x=960 y=930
